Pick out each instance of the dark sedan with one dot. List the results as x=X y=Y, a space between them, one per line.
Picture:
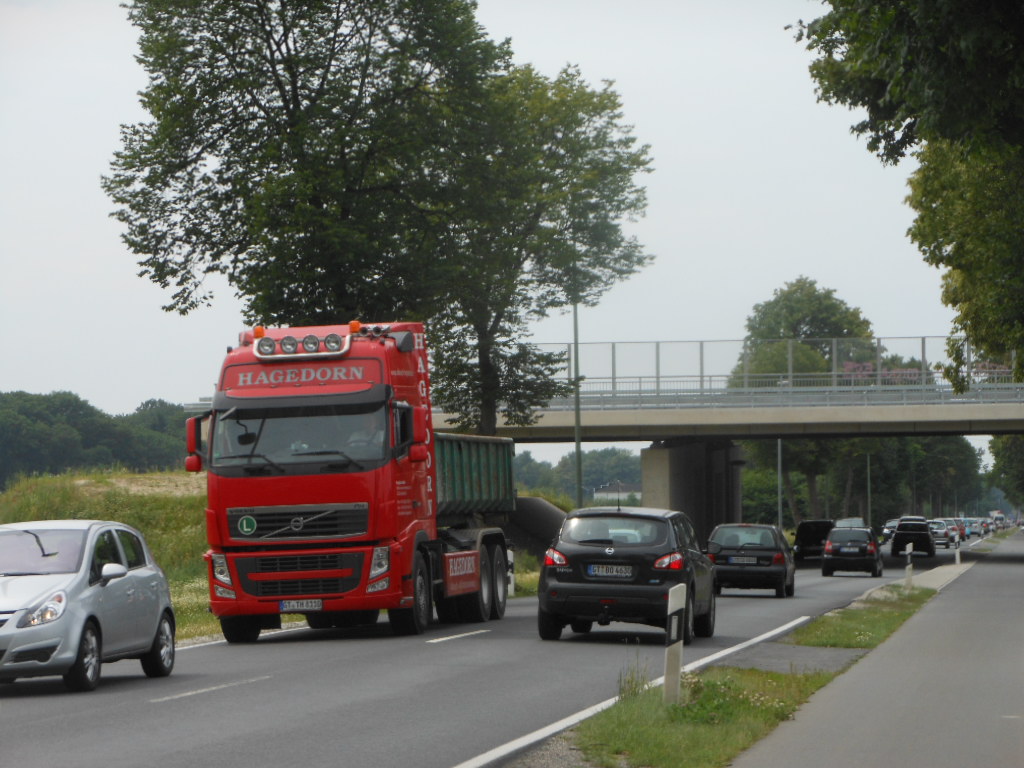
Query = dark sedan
x=750 y=556
x=915 y=533
x=851 y=549
x=610 y=564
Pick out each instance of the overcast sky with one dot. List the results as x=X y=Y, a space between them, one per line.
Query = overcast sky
x=755 y=184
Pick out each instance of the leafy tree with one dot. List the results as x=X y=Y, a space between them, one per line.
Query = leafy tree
x=943 y=77
x=922 y=71
x=60 y=431
x=530 y=473
x=297 y=149
x=536 y=227
x=1008 y=466
x=970 y=220
x=803 y=312
x=377 y=159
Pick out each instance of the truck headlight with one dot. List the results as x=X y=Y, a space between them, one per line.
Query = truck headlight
x=381 y=561
x=220 y=569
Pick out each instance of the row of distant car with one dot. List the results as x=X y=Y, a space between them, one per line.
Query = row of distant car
x=617 y=564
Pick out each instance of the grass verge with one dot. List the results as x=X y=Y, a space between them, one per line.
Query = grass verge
x=726 y=710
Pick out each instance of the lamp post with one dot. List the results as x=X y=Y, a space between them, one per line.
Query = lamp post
x=778 y=477
x=576 y=399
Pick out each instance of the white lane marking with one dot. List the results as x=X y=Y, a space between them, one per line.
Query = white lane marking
x=210 y=689
x=457 y=637
x=539 y=735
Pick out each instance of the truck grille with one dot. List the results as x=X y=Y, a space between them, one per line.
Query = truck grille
x=307 y=521
x=256 y=574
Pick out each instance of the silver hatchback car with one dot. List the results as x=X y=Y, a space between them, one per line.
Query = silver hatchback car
x=77 y=593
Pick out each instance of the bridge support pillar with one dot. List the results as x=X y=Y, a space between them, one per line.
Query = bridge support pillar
x=699 y=477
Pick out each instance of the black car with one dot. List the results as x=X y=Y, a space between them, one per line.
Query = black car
x=916 y=532
x=810 y=538
x=609 y=564
x=752 y=557
x=851 y=549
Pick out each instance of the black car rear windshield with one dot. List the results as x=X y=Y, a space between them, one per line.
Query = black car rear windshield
x=741 y=536
x=613 y=529
x=913 y=528
x=848 y=534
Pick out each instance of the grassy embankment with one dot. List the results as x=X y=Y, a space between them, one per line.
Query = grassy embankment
x=168 y=509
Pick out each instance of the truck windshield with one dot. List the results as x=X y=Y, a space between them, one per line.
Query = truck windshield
x=274 y=438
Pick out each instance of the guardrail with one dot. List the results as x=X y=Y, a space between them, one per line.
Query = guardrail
x=716 y=392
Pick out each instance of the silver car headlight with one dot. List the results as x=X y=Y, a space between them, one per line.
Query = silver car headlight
x=52 y=608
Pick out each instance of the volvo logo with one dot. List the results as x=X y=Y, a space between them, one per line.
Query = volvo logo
x=296 y=524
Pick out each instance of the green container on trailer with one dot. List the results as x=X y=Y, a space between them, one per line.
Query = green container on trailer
x=474 y=480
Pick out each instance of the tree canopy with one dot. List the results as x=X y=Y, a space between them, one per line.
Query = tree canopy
x=943 y=79
x=922 y=71
x=60 y=431
x=377 y=160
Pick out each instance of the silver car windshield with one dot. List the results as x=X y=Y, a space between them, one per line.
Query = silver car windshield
x=39 y=552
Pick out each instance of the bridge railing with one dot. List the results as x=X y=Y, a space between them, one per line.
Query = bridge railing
x=782 y=372
x=879 y=361
x=716 y=392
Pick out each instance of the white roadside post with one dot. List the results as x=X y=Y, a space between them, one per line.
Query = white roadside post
x=957 y=548
x=674 y=642
x=910 y=565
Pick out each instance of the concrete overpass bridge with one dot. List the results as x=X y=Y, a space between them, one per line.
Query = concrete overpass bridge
x=691 y=400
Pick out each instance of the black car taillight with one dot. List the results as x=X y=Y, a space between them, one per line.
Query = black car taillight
x=554 y=557
x=828 y=547
x=670 y=562
x=778 y=559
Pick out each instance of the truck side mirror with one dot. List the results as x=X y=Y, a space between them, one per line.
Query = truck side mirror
x=194 y=443
x=418 y=452
x=421 y=426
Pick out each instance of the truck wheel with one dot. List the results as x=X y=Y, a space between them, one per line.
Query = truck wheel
x=240 y=629
x=448 y=611
x=415 y=620
x=477 y=606
x=499 y=581
x=549 y=626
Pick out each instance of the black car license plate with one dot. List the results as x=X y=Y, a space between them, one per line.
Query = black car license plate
x=610 y=571
x=743 y=560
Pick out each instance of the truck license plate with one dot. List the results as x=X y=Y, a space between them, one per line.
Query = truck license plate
x=289 y=606
x=615 y=571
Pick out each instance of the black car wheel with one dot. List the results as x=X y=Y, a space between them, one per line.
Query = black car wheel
x=704 y=625
x=581 y=626
x=688 y=620
x=549 y=626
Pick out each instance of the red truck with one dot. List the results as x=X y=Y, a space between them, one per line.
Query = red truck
x=330 y=496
